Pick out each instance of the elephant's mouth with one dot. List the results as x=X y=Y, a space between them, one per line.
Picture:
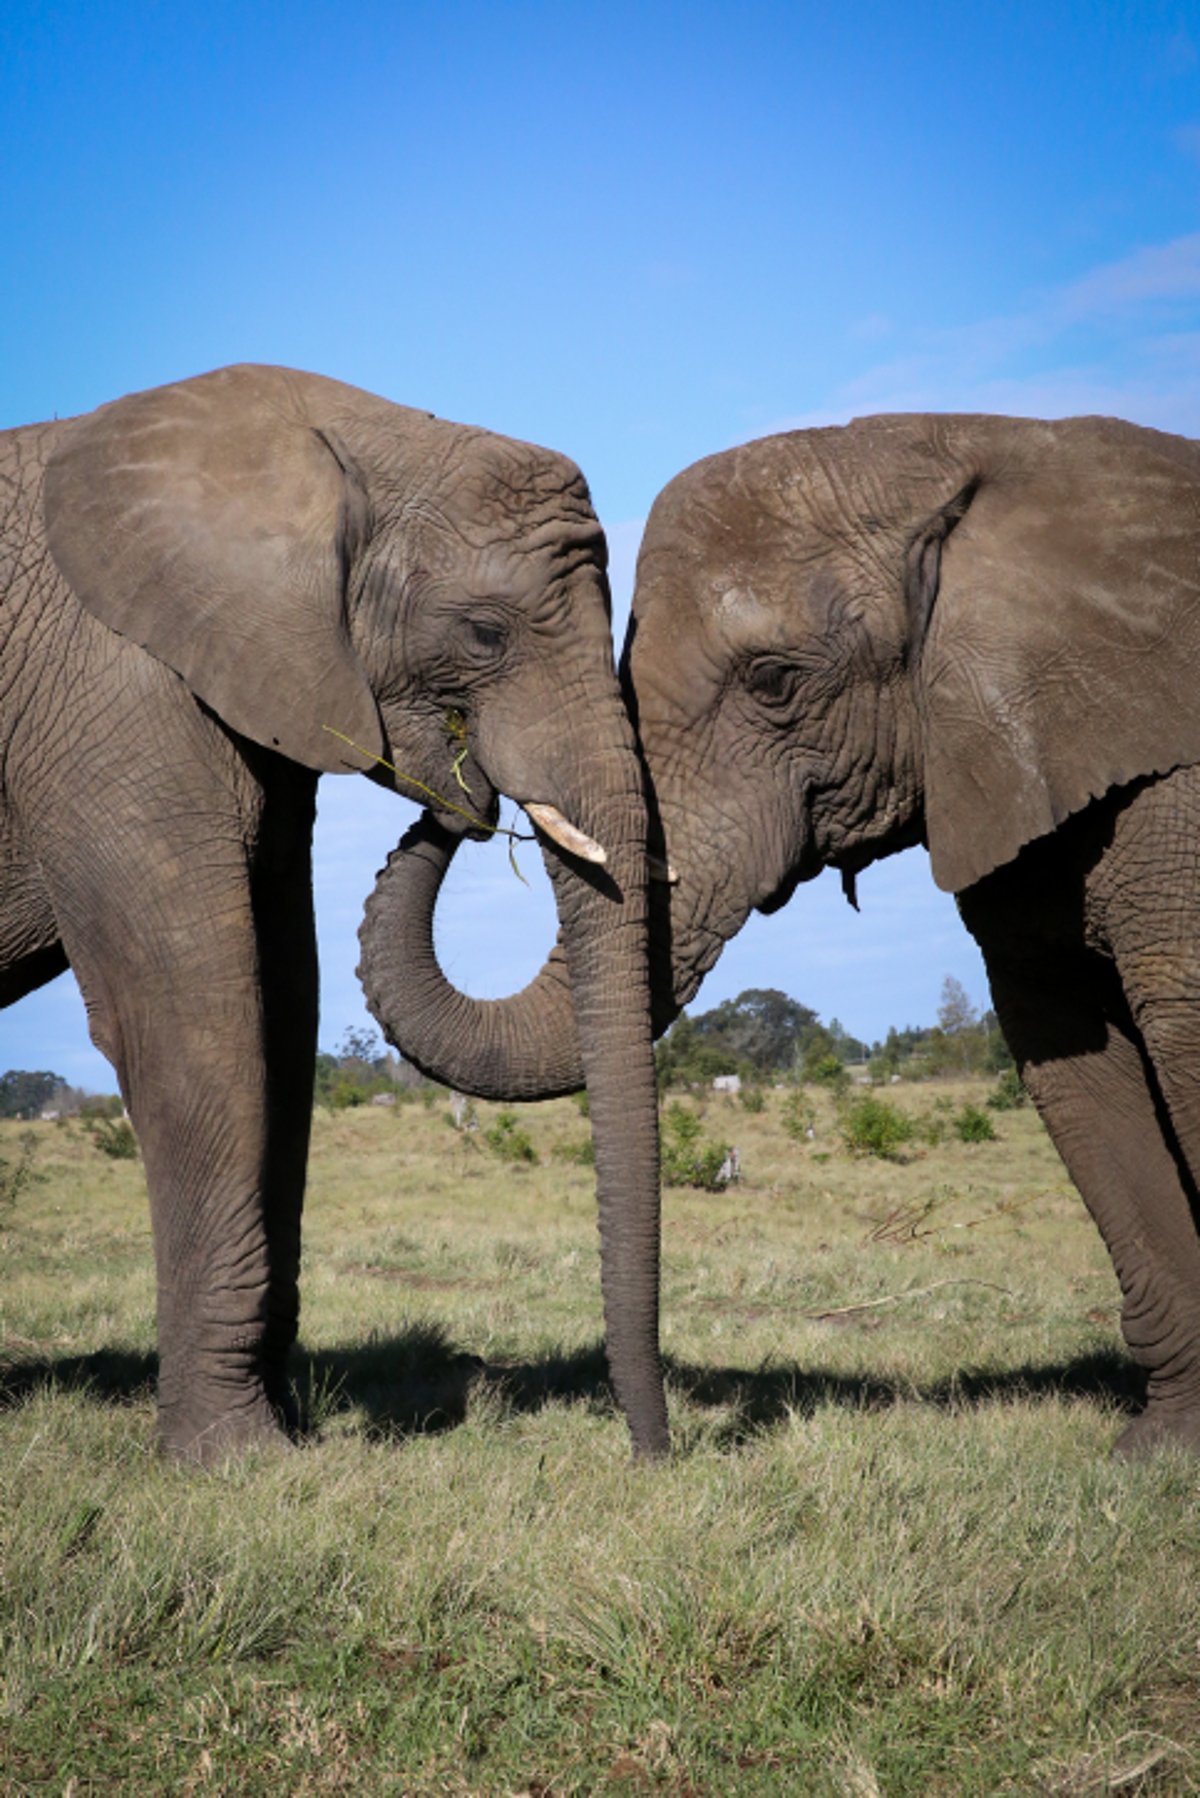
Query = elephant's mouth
x=776 y=900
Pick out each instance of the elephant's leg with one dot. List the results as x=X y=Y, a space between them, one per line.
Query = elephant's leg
x=1086 y=1067
x=189 y=927
x=1169 y=1026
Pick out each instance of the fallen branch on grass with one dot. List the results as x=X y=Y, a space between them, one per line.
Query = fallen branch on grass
x=894 y=1298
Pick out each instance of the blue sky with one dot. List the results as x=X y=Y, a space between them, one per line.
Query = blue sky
x=636 y=233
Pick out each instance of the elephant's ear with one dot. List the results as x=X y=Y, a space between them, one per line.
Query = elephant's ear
x=211 y=522
x=1056 y=602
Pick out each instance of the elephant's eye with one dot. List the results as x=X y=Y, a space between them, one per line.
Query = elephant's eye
x=487 y=636
x=771 y=680
x=484 y=639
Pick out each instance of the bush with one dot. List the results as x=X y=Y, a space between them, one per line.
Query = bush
x=582 y=1153
x=102 y=1105
x=686 y=1159
x=1008 y=1093
x=827 y=1070
x=930 y=1129
x=797 y=1116
x=508 y=1140
x=973 y=1125
x=114 y=1137
x=753 y=1099
x=871 y=1126
x=15 y=1176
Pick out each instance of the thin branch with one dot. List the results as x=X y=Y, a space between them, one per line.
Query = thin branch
x=894 y=1298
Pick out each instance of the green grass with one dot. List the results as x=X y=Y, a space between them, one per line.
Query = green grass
x=891 y=1555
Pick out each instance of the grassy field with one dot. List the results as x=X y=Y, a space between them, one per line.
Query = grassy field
x=891 y=1555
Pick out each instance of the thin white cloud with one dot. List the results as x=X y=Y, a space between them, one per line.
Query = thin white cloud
x=1121 y=339
x=1159 y=272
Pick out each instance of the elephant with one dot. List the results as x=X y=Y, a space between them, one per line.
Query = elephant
x=978 y=634
x=212 y=592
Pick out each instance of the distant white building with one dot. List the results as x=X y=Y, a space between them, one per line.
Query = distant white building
x=727 y=1083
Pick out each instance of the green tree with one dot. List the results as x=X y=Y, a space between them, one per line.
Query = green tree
x=960 y=1042
x=25 y=1095
x=358 y=1071
x=760 y=1027
x=684 y=1058
x=956 y=1015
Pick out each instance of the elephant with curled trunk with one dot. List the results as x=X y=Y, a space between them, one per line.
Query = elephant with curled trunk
x=199 y=586
x=982 y=634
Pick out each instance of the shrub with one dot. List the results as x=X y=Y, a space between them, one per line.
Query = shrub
x=973 y=1125
x=582 y=1152
x=827 y=1070
x=1008 y=1093
x=930 y=1129
x=508 y=1140
x=114 y=1137
x=797 y=1116
x=871 y=1126
x=16 y=1175
x=102 y=1105
x=753 y=1099
x=686 y=1159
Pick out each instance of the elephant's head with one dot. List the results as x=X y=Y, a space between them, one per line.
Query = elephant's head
x=950 y=629
x=338 y=579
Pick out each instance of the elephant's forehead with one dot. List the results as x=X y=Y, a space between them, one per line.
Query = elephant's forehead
x=502 y=482
x=760 y=590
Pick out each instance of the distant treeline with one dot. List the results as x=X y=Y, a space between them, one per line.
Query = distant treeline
x=24 y=1094
x=765 y=1035
x=361 y=1071
x=762 y=1035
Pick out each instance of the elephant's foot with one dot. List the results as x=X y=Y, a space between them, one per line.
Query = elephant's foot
x=1161 y=1425
x=201 y=1435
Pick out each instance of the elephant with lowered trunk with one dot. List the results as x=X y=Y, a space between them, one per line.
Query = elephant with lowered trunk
x=982 y=634
x=198 y=585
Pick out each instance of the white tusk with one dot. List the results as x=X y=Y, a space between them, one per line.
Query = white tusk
x=661 y=869
x=568 y=836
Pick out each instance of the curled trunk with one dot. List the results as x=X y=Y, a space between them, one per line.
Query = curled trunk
x=524 y=1047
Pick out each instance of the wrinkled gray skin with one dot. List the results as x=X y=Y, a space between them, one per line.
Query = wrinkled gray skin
x=194 y=581
x=981 y=633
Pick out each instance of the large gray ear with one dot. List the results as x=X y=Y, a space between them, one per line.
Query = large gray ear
x=1063 y=634
x=211 y=522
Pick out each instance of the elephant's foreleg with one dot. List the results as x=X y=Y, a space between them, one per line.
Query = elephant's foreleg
x=1086 y=1067
x=190 y=930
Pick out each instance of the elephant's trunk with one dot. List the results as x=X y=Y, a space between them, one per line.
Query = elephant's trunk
x=585 y=1016
x=524 y=1047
